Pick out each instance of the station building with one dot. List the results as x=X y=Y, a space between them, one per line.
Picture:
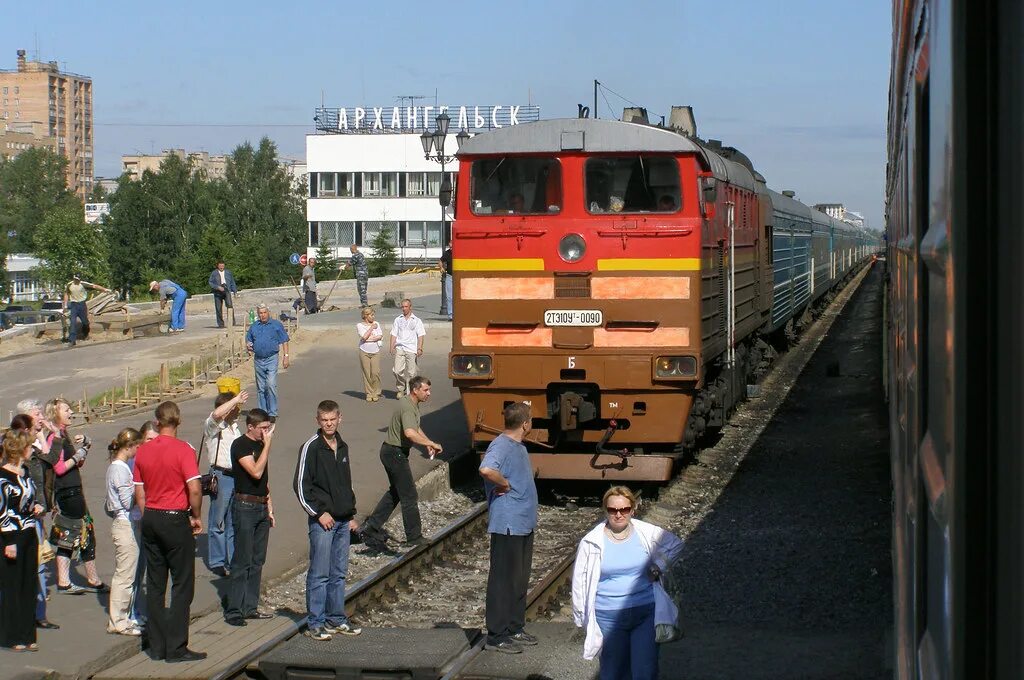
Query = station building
x=368 y=174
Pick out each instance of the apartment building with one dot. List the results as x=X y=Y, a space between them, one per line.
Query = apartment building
x=16 y=138
x=59 y=103
x=213 y=166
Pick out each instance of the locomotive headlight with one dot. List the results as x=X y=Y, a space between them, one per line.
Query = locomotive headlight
x=471 y=366
x=572 y=247
x=676 y=367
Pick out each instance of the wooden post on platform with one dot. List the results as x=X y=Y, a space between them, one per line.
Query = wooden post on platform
x=194 y=374
x=138 y=396
x=127 y=374
x=165 y=379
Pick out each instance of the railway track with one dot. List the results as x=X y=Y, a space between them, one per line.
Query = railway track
x=400 y=592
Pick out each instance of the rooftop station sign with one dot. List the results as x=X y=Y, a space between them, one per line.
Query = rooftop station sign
x=396 y=119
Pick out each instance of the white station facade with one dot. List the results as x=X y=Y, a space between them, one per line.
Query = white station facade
x=367 y=173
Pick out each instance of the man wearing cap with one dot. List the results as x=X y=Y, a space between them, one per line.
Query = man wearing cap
x=75 y=297
x=169 y=290
x=264 y=340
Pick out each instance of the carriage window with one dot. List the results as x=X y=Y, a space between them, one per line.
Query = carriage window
x=515 y=185
x=632 y=184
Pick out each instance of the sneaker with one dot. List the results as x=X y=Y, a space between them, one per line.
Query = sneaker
x=524 y=638
x=72 y=590
x=98 y=588
x=319 y=634
x=348 y=628
x=505 y=647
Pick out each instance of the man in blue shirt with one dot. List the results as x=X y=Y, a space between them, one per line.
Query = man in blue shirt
x=512 y=498
x=265 y=339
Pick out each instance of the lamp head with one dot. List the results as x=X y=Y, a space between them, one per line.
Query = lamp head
x=427 y=140
x=443 y=120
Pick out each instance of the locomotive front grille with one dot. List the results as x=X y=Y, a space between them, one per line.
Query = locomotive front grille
x=572 y=285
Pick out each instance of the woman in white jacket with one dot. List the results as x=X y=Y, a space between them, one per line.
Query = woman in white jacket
x=616 y=596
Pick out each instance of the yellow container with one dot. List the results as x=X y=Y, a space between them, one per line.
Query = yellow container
x=226 y=384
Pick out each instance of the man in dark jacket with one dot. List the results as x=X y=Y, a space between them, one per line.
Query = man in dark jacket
x=222 y=283
x=323 y=483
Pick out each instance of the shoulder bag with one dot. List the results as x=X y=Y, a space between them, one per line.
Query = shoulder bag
x=208 y=482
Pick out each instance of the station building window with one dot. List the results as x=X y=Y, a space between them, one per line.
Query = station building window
x=371 y=229
x=380 y=184
x=336 y=234
x=420 y=234
x=423 y=184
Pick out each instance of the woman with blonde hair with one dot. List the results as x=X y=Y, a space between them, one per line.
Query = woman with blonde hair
x=73 y=529
x=121 y=508
x=370 y=337
x=18 y=513
x=615 y=588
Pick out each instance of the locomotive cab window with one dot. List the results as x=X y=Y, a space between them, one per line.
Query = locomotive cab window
x=515 y=186
x=632 y=184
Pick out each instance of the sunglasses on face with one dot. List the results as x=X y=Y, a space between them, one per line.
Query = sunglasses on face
x=619 y=511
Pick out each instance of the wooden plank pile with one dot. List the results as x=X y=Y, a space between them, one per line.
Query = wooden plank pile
x=106 y=303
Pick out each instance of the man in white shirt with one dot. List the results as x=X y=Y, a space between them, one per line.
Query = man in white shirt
x=219 y=431
x=407 y=335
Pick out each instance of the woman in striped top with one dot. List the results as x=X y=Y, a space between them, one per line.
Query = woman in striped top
x=18 y=512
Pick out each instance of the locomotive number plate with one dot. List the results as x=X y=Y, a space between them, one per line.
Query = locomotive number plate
x=573 y=317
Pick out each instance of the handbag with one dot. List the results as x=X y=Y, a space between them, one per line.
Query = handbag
x=666 y=631
x=67 y=533
x=209 y=483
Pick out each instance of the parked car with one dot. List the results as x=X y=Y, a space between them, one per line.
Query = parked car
x=56 y=306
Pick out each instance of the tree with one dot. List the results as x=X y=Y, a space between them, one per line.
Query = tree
x=263 y=213
x=31 y=185
x=66 y=245
x=326 y=268
x=384 y=255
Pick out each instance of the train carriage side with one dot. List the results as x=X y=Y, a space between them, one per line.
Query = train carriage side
x=821 y=254
x=791 y=248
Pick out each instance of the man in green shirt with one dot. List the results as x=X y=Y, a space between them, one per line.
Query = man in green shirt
x=403 y=431
x=75 y=297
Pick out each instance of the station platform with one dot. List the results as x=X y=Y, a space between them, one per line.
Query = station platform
x=327 y=370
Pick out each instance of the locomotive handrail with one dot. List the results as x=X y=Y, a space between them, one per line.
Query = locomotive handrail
x=572 y=345
x=646 y=231
x=487 y=233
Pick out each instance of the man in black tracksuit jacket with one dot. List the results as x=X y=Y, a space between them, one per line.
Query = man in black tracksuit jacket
x=323 y=484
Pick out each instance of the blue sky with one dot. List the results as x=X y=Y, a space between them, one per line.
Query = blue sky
x=800 y=86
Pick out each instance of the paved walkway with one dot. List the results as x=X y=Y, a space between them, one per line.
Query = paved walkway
x=328 y=370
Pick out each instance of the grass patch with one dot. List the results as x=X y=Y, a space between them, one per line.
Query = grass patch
x=149 y=385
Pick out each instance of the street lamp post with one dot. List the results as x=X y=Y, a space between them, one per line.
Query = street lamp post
x=433 y=150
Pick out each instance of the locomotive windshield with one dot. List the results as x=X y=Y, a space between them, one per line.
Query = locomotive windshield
x=630 y=184
x=515 y=185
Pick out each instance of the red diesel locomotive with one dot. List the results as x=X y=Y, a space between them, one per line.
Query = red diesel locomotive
x=618 y=277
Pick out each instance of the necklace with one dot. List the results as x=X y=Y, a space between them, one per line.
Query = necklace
x=621 y=536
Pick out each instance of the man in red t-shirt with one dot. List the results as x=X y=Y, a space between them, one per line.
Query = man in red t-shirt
x=168 y=493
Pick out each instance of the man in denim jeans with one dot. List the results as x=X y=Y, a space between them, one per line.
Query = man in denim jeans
x=220 y=430
x=265 y=339
x=323 y=484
